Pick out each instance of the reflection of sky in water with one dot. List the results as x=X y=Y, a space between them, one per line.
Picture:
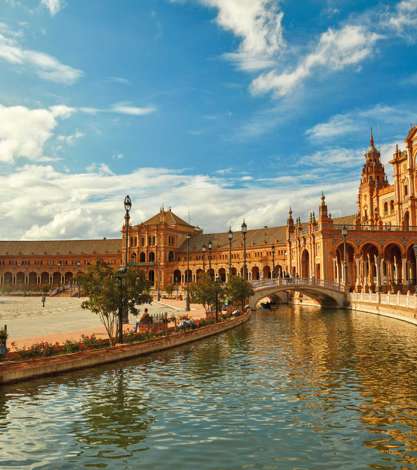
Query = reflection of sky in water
x=292 y=389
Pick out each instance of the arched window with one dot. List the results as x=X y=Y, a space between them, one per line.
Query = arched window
x=142 y=257
x=385 y=208
x=171 y=256
x=392 y=207
x=152 y=257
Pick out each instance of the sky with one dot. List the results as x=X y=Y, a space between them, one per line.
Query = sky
x=219 y=109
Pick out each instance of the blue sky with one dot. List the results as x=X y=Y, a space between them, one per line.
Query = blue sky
x=222 y=109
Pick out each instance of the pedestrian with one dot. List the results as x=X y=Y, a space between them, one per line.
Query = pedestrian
x=43 y=300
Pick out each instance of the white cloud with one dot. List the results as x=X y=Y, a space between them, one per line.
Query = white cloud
x=24 y=132
x=258 y=23
x=126 y=108
x=45 y=66
x=70 y=139
x=335 y=50
x=394 y=119
x=54 y=6
x=48 y=203
x=403 y=20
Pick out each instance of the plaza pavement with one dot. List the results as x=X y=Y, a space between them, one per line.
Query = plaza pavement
x=63 y=318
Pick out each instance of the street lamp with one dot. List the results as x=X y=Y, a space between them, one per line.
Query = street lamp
x=128 y=206
x=120 y=274
x=344 y=235
x=273 y=260
x=204 y=258
x=78 y=277
x=187 y=279
x=230 y=237
x=244 y=229
x=210 y=246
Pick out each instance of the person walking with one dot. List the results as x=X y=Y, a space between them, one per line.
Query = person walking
x=43 y=300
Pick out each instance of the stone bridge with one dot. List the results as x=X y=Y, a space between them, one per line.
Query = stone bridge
x=329 y=294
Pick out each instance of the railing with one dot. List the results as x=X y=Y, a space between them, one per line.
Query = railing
x=376 y=228
x=401 y=300
x=291 y=282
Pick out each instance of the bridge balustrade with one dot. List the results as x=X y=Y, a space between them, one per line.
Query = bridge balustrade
x=302 y=282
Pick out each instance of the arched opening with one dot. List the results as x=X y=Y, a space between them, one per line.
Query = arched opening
x=20 y=279
x=8 y=279
x=266 y=272
x=368 y=278
x=345 y=270
x=142 y=257
x=151 y=277
x=411 y=267
x=188 y=275
x=234 y=272
x=277 y=272
x=393 y=267
x=177 y=276
x=171 y=256
x=255 y=273
x=222 y=274
x=305 y=265
x=45 y=279
x=56 y=279
x=210 y=272
x=69 y=279
x=33 y=279
x=151 y=257
x=133 y=258
x=199 y=274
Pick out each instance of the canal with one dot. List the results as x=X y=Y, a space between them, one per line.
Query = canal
x=293 y=388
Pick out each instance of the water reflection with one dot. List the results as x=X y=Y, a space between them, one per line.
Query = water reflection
x=295 y=388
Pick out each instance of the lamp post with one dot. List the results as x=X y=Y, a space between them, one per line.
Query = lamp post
x=78 y=277
x=120 y=274
x=204 y=258
x=244 y=229
x=158 y=270
x=344 y=235
x=273 y=260
x=128 y=206
x=230 y=237
x=187 y=279
x=210 y=246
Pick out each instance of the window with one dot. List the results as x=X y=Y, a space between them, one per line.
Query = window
x=385 y=208
x=392 y=207
x=405 y=190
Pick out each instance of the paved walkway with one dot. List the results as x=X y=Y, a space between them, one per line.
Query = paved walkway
x=63 y=318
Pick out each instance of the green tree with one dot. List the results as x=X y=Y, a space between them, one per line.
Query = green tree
x=106 y=294
x=238 y=290
x=207 y=292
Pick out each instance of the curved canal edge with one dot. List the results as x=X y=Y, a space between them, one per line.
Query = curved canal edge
x=397 y=312
x=11 y=372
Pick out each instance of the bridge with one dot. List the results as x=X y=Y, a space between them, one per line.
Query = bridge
x=329 y=294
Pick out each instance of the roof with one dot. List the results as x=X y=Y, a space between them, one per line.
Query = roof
x=60 y=247
x=346 y=219
x=167 y=217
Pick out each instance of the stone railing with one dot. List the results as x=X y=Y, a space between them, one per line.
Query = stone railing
x=398 y=300
x=293 y=281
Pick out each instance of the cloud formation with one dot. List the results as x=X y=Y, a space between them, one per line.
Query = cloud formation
x=53 y=6
x=45 y=66
x=258 y=23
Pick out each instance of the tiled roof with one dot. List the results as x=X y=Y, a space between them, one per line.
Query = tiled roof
x=167 y=217
x=60 y=247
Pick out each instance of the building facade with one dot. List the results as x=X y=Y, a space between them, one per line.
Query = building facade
x=373 y=250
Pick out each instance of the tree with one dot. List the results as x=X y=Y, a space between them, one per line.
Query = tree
x=207 y=292
x=105 y=294
x=238 y=290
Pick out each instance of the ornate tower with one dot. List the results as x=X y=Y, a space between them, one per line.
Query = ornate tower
x=372 y=179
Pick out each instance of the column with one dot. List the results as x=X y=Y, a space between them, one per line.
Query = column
x=404 y=272
x=378 y=275
x=357 y=279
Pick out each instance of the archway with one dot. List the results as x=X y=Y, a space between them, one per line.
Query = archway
x=368 y=273
x=222 y=274
x=210 y=272
x=45 y=279
x=305 y=265
x=234 y=272
x=350 y=271
x=188 y=275
x=177 y=276
x=8 y=279
x=151 y=257
x=33 y=279
x=151 y=277
x=142 y=257
x=393 y=266
x=20 y=279
x=56 y=279
x=266 y=272
x=255 y=273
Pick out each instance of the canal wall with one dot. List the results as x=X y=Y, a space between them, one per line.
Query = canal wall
x=11 y=372
x=400 y=307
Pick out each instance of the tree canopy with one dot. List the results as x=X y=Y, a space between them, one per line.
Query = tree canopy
x=107 y=290
x=238 y=290
x=207 y=292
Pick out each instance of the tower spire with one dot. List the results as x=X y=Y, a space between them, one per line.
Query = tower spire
x=372 y=138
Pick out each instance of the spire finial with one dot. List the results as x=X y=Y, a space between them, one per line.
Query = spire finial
x=372 y=138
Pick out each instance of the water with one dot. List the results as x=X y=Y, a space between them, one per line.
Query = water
x=297 y=389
